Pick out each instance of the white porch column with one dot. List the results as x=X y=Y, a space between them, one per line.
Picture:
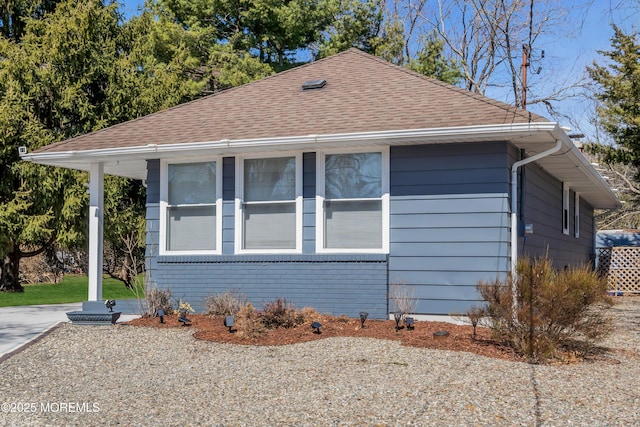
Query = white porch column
x=96 y=218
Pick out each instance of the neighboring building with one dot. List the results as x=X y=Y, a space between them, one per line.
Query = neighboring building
x=326 y=182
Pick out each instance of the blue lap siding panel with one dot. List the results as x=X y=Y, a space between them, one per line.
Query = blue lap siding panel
x=449 y=219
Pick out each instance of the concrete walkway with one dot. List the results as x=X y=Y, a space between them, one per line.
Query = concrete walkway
x=19 y=325
x=22 y=324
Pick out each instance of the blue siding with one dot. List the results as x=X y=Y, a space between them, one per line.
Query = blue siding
x=449 y=221
x=152 y=214
x=309 y=226
x=543 y=209
x=228 y=178
x=228 y=227
x=309 y=175
x=449 y=243
x=449 y=169
x=330 y=284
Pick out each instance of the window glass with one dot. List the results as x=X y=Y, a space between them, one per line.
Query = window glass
x=269 y=206
x=270 y=226
x=353 y=176
x=191 y=228
x=270 y=179
x=191 y=209
x=353 y=224
x=192 y=183
x=349 y=221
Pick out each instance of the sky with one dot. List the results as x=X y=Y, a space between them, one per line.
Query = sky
x=567 y=54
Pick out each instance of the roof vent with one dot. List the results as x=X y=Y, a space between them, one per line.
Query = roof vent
x=314 y=84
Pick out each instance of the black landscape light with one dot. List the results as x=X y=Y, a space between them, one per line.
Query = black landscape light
x=410 y=323
x=363 y=317
x=397 y=315
x=184 y=320
x=161 y=315
x=110 y=303
x=229 y=322
x=316 y=327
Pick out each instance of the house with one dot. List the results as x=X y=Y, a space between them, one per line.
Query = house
x=325 y=183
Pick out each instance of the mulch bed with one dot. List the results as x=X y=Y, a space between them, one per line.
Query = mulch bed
x=422 y=335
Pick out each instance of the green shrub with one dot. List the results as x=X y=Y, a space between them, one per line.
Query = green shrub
x=225 y=304
x=552 y=312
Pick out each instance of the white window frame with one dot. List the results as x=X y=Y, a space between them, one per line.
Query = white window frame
x=239 y=203
x=320 y=198
x=576 y=215
x=164 y=205
x=565 y=208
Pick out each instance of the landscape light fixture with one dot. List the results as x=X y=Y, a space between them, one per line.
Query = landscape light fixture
x=184 y=320
x=397 y=315
x=316 y=327
x=229 y=322
x=363 y=317
x=410 y=323
x=160 y=313
x=110 y=303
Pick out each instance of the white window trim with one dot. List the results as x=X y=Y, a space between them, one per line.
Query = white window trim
x=565 y=208
x=576 y=215
x=320 y=197
x=239 y=228
x=164 y=203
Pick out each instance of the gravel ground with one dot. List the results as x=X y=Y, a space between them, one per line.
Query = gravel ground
x=124 y=375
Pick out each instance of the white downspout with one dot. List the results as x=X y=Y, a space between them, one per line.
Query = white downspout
x=514 y=202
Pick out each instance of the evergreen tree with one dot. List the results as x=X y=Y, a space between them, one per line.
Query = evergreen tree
x=619 y=96
x=76 y=70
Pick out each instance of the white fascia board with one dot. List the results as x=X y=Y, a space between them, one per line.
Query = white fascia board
x=432 y=135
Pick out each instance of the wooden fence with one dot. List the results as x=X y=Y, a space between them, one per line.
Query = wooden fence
x=621 y=267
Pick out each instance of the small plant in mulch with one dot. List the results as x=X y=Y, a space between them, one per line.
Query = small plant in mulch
x=274 y=315
x=184 y=308
x=475 y=315
x=225 y=304
x=158 y=299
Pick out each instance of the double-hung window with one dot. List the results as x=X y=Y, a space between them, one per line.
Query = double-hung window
x=190 y=208
x=352 y=205
x=269 y=214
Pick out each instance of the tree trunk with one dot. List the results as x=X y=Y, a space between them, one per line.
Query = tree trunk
x=10 y=272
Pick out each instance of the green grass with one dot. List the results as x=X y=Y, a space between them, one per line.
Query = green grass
x=73 y=288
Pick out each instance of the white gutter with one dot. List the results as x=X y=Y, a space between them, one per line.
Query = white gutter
x=433 y=135
x=514 y=205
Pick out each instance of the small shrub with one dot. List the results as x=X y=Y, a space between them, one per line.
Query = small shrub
x=225 y=304
x=402 y=298
x=248 y=323
x=157 y=299
x=552 y=310
x=308 y=315
x=184 y=308
x=475 y=315
x=280 y=314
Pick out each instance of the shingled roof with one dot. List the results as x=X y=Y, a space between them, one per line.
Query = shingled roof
x=362 y=94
